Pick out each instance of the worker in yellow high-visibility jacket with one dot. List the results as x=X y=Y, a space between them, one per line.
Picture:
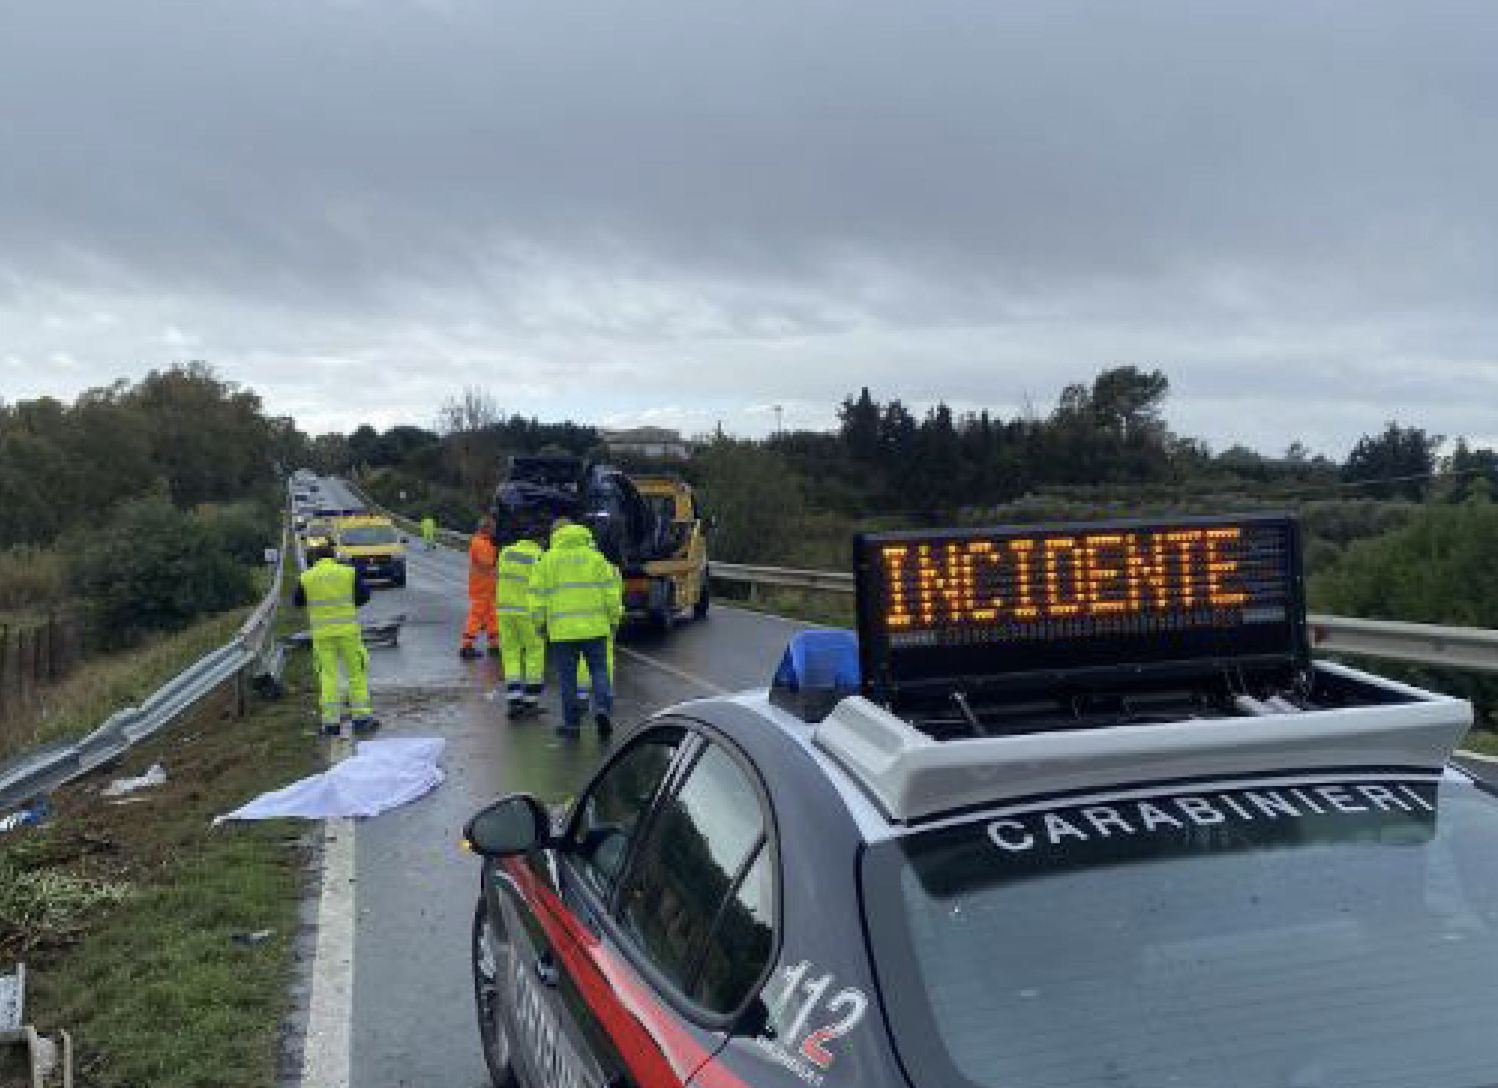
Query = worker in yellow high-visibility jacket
x=576 y=598
x=332 y=592
x=522 y=649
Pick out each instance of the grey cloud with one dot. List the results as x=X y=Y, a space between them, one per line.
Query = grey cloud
x=1286 y=204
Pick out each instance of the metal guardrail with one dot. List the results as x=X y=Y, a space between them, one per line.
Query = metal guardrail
x=1417 y=643
x=46 y=768
x=825 y=581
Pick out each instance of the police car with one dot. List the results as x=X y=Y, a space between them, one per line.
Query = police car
x=1075 y=808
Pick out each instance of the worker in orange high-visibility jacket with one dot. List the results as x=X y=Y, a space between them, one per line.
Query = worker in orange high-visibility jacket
x=483 y=555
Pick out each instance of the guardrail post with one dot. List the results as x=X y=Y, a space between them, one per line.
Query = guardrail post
x=5 y=656
x=28 y=663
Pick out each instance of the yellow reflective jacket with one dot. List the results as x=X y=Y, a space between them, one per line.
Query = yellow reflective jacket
x=575 y=592
x=329 y=587
x=517 y=562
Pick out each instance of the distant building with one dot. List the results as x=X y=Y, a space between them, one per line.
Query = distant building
x=653 y=442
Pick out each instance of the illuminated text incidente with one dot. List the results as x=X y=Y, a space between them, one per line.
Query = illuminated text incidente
x=1066 y=576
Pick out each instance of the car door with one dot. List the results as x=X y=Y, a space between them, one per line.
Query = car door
x=676 y=943
x=546 y=977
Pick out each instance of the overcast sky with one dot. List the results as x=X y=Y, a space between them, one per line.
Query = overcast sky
x=683 y=211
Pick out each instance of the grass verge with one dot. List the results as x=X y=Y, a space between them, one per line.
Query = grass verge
x=104 y=684
x=134 y=915
x=812 y=606
x=1480 y=740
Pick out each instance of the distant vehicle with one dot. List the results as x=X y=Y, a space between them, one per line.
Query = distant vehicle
x=316 y=531
x=648 y=526
x=373 y=545
x=1075 y=808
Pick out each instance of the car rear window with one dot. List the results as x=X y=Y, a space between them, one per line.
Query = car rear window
x=364 y=536
x=1315 y=935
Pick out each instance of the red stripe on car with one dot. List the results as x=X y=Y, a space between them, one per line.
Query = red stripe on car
x=659 y=1051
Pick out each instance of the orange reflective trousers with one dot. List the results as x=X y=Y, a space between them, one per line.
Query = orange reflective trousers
x=482 y=579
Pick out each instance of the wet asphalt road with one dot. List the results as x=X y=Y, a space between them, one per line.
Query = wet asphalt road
x=413 y=1018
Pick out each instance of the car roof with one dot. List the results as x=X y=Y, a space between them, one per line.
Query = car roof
x=912 y=776
x=778 y=742
x=892 y=778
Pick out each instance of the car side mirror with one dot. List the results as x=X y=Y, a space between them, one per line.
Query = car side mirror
x=516 y=824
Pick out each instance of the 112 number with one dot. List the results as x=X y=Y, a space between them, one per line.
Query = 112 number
x=805 y=996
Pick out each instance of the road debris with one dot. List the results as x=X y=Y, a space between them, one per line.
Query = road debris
x=260 y=936
x=27 y=1058
x=155 y=776
x=34 y=814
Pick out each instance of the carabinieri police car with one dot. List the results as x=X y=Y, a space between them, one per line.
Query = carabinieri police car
x=1076 y=809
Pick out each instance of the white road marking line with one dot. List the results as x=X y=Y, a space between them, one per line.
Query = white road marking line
x=328 y=1051
x=680 y=674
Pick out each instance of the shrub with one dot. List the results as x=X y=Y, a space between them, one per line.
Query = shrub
x=756 y=502
x=32 y=577
x=241 y=530
x=157 y=569
x=1436 y=569
x=449 y=512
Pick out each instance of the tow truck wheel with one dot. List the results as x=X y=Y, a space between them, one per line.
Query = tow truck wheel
x=704 y=600
x=487 y=944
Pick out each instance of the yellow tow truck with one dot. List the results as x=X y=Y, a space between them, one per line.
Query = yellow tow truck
x=647 y=525
x=673 y=585
x=373 y=545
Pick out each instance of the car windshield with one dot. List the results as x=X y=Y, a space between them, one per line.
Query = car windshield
x=361 y=536
x=1300 y=935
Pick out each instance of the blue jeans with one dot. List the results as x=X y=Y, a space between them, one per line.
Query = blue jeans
x=595 y=651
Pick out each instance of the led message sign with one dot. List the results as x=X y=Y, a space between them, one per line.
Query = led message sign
x=1000 y=601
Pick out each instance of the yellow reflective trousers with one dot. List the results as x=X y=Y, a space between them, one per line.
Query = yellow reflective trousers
x=348 y=652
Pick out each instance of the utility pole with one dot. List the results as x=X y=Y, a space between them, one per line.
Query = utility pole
x=779 y=422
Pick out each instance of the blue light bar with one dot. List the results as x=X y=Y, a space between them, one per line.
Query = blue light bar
x=818 y=670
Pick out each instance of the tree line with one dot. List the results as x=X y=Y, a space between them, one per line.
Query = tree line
x=182 y=433
x=1109 y=433
x=144 y=505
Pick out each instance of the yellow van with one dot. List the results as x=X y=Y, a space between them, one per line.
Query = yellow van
x=373 y=545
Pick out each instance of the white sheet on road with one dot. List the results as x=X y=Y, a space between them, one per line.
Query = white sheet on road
x=381 y=775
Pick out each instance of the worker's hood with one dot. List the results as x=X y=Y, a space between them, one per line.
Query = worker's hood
x=572 y=536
